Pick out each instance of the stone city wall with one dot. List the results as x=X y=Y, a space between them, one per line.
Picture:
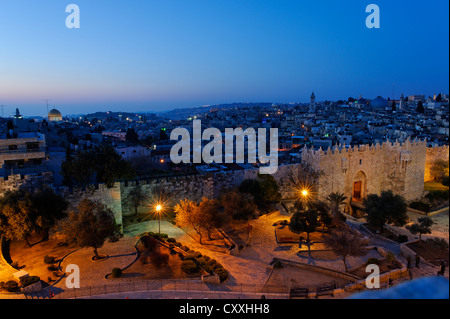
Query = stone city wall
x=433 y=154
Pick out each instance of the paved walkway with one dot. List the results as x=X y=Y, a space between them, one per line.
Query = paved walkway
x=425 y=269
x=248 y=267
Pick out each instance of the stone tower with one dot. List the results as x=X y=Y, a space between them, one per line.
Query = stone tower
x=370 y=169
x=312 y=104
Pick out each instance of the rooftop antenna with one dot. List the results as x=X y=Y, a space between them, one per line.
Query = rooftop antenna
x=2 y=108
x=46 y=102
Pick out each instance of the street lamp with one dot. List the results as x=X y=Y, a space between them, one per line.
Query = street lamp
x=158 y=209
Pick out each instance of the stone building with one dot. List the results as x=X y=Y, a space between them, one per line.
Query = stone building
x=370 y=169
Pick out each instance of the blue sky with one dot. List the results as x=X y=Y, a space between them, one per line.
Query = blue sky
x=157 y=55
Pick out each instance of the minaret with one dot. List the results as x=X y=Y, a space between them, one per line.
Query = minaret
x=312 y=104
x=400 y=105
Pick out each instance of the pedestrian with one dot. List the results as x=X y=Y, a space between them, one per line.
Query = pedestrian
x=417 y=261
x=442 y=272
x=408 y=259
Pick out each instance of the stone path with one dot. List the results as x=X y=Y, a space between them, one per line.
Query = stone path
x=425 y=269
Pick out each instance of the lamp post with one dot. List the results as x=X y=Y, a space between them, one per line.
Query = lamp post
x=158 y=209
x=305 y=195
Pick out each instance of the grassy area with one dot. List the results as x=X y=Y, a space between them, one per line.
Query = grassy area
x=435 y=186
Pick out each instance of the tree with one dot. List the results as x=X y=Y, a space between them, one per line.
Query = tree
x=270 y=191
x=237 y=205
x=91 y=225
x=440 y=170
x=17 y=214
x=422 y=227
x=188 y=215
x=135 y=197
x=304 y=221
x=264 y=189
x=202 y=218
x=212 y=215
x=336 y=200
x=344 y=242
x=324 y=213
x=50 y=207
x=101 y=164
x=387 y=208
x=420 y=108
x=131 y=136
x=252 y=187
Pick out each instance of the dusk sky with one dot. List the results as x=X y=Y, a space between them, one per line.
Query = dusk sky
x=158 y=55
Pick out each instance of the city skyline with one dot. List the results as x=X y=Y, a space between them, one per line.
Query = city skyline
x=153 y=57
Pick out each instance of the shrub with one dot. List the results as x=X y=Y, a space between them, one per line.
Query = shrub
x=372 y=260
x=438 y=242
x=402 y=238
x=222 y=273
x=16 y=265
x=390 y=257
x=213 y=263
x=29 y=280
x=116 y=273
x=52 y=268
x=9 y=286
x=177 y=244
x=419 y=205
x=161 y=236
x=203 y=262
x=189 y=266
x=49 y=260
x=185 y=248
x=171 y=240
x=437 y=194
x=192 y=254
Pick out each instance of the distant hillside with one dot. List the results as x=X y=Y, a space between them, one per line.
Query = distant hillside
x=184 y=113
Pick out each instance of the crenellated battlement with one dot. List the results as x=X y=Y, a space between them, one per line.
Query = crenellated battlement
x=377 y=147
x=391 y=165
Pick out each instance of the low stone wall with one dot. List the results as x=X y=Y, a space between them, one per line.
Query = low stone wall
x=384 y=279
x=438 y=211
x=323 y=270
x=376 y=235
x=406 y=252
x=211 y=279
x=37 y=286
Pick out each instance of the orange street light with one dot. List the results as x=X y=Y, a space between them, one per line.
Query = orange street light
x=158 y=210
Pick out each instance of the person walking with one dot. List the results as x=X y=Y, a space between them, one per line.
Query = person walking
x=442 y=271
x=417 y=261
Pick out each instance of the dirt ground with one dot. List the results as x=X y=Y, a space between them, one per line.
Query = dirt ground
x=284 y=233
x=430 y=253
x=33 y=257
x=291 y=275
x=322 y=254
